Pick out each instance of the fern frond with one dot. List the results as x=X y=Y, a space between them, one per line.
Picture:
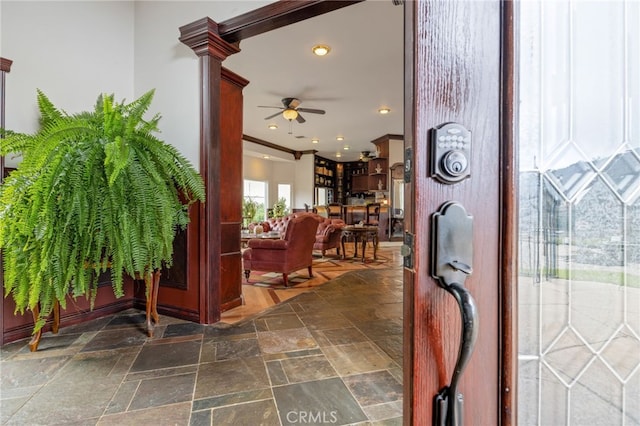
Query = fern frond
x=48 y=112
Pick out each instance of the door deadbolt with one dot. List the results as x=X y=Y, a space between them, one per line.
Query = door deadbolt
x=450 y=153
x=455 y=163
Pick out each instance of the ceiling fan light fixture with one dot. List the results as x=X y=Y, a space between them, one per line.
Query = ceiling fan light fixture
x=321 y=49
x=384 y=110
x=290 y=114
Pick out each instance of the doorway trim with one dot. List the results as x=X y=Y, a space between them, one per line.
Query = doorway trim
x=282 y=13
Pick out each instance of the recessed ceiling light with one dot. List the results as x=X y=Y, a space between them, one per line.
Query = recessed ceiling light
x=321 y=49
x=384 y=110
x=346 y=148
x=338 y=155
x=266 y=157
x=272 y=126
x=315 y=140
x=340 y=138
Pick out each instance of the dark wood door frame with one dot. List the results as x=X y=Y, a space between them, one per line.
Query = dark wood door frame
x=5 y=67
x=509 y=223
x=283 y=13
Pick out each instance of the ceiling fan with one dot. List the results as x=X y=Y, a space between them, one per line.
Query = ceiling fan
x=365 y=156
x=290 y=111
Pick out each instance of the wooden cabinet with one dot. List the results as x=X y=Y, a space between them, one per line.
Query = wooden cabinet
x=351 y=178
x=339 y=197
x=325 y=173
x=324 y=180
x=359 y=183
x=356 y=178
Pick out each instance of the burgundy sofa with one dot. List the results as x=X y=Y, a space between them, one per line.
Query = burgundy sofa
x=285 y=255
x=327 y=236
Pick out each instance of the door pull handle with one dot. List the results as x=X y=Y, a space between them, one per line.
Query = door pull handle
x=448 y=402
x=451 y=265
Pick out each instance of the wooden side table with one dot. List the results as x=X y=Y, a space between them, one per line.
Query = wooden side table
x=360 y=234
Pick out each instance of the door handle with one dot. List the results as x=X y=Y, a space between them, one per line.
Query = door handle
x=452 y=257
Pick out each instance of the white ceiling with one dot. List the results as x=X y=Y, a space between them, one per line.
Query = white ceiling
x=363 y=72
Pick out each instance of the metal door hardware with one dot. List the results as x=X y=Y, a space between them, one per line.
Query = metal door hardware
x=407 y=250
x=452 y=260
x=408 y=158
x=450 y=153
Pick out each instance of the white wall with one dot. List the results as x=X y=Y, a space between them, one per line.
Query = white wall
x=276 y=172
x=76 y=50
x=164 y=63
x=283 y=168
x=396 y=151
x=72 y=51
x=256 y=168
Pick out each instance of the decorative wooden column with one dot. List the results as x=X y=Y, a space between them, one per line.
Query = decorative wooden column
x=220 y=259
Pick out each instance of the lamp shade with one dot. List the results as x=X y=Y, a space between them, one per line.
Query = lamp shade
x=290 y=114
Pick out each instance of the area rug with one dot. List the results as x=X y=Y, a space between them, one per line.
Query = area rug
x=265 y=290
x=324 y=269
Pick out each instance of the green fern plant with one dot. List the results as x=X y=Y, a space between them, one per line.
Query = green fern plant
x=94 y=190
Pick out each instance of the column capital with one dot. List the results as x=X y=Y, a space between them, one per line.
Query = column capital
x=5 y=64
x=203 y=38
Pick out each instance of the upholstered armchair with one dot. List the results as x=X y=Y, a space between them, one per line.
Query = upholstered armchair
x=288 y=254
x=328 y=233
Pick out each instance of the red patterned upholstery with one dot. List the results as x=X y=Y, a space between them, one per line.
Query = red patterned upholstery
x=288 y=254
x=327 y=235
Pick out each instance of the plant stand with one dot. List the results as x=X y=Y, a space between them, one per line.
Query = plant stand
x=152 y=284
x=35 y=339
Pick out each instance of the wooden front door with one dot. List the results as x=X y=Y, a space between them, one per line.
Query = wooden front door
x=457 y=69
x=453 y=74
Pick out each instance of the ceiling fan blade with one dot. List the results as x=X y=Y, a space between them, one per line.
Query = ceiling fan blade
x=274 y=115
x=300 y=119
x=312 y=110
x=269 y=106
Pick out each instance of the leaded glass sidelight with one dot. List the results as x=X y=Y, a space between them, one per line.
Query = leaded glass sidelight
x=579 y=212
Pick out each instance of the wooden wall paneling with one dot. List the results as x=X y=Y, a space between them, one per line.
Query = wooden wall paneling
x=20 y=326
x=231 y=189
x=179 y=291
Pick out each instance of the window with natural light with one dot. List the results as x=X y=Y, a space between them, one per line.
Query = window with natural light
x=255 y=192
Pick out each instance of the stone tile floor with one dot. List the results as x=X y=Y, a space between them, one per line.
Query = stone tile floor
x=332 y=355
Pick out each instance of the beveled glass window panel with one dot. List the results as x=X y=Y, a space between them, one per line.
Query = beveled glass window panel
x=598 y=77
x=623 y=174
x=555 y=78
x=579 y=244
